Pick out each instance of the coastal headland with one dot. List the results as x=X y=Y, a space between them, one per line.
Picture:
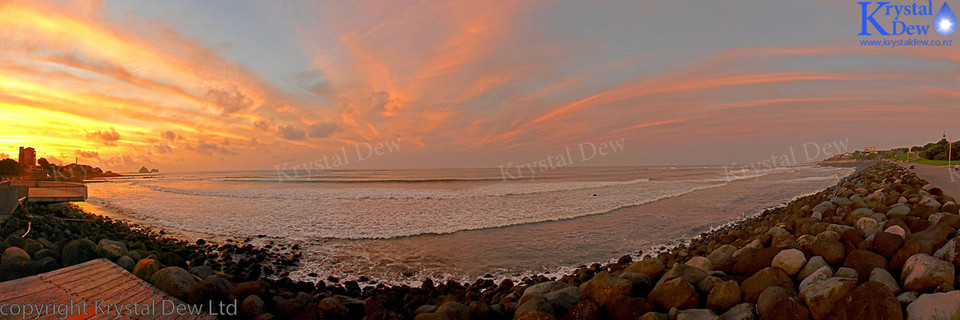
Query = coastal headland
x=881 y=244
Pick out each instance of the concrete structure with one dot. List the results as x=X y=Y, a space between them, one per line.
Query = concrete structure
x=53 y=191
x=10 y=197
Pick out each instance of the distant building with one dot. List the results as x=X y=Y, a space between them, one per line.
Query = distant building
x=28 y=160
x=869 y=149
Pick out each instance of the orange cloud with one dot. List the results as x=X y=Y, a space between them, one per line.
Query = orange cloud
x=671 y=84
x=130 y=80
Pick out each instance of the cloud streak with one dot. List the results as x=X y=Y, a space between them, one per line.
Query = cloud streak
x=493 y=78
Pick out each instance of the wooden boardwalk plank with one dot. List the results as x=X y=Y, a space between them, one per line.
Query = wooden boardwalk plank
x=85 y=268
x=114 y=291
x=84 y=272
x=89 y=281
x=25 y=289
x=16 y=284
x=80 y=288
x=103 y=276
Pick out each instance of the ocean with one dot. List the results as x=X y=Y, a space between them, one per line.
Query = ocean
x=400 y=226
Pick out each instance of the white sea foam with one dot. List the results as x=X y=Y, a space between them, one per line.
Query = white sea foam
x=497 y=189
x=364 y=213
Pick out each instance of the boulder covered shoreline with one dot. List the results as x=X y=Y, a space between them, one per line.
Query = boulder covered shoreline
x=881 y=244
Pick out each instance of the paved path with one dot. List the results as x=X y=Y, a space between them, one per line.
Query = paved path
x=946 y=179
x=81 y=286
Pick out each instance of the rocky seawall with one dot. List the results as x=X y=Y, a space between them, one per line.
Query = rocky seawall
x=881 y=244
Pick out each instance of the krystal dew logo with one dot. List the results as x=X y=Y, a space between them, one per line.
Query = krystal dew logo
x=944 y=22
x=908 y=19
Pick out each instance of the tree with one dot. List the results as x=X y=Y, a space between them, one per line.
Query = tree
x=935 y=152
x=46 y=168
x=10 y=168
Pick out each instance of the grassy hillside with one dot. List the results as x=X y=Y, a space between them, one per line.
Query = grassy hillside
x=935 y=162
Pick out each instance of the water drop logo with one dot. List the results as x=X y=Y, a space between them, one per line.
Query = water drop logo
x=945 y=22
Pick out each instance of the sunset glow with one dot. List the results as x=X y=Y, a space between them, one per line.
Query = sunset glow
x=462 y=84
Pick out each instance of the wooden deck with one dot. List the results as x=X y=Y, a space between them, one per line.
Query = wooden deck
x=89 y=282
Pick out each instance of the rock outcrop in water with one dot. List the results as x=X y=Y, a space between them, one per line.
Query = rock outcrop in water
x=881 y=244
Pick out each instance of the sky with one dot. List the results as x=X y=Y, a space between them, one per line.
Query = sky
x=228 y=85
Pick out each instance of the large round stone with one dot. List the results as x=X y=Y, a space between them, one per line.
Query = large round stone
x=886 y=244
x=605 y=289
x=253 y=305
x=724 y=296
x=111 y=249
x=790 y=261
x=831 y=250
x=864 y=262
x=16 y=263
x=751 y=261
x=822 y=297
x=924 y=273
x=174 y=280
x=944 y=305
x=681 y=270
x=882 y=276
x=754 y=285
x=868 y=301
x=145 y=268
x=77 y=251
x=812 y=265
x=214 y=288
x=649 y=266
x=769 y=297
x=676 y=293
x=789 y=308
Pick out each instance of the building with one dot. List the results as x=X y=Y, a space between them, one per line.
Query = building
x=28 y=160
x=870 y=149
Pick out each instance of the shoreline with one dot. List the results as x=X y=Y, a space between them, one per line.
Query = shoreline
x=630 y=288
x=432 y=258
